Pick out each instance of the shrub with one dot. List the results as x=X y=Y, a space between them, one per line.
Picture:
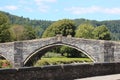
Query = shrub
x=5 y=64
x=52 y=55
x=58 y=61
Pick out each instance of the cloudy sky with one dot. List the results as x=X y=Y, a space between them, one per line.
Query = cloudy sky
x=59 y=9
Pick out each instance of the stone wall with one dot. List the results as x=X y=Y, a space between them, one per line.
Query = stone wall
x=23 y=53
x=60 y=72
x=7 y=51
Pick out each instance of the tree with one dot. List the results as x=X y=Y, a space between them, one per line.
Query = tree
x=39 y=31
x=5 y=35
x=17 y=32
x=24 y=32
x=85 y=31
x=30 y=33
x=102 y=33
x=70 y=52
x=64 y=27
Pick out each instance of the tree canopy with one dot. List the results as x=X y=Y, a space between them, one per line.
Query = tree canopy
x=17 y=32
x=102 y=33
x=5 y=35
x=112 y=25
x=64 y=27
x=88 y=31
x=30 y=33
x=35 y=29
x=85 y=31
x=23 y=32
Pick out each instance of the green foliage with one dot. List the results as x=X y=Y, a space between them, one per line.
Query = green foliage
x=5 y=64
x=112 y=25
x=30 y=33
x=114 y=28
x=85 y=31
x=58 y=61
x=43 y=24
x=52 y=55
x=64 y=51
x=17 y=32
x=5 y=35
x=88 y=31
x=24 y=33
x=64 y=27
x=102 y=33
x=71 y=52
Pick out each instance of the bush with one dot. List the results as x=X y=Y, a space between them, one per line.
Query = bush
x=52 y=55
x=5 y=64
x=58 y=61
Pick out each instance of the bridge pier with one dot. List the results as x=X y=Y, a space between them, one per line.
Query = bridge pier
x=109 y=52
x=18 y=55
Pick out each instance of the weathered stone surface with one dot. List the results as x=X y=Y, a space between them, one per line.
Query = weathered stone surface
x=60 y=72
x=24 y=52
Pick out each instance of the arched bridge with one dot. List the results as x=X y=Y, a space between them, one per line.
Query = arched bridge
x=22 y=53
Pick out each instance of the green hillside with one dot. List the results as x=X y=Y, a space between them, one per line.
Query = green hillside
x=26 y=21
x=113 y=25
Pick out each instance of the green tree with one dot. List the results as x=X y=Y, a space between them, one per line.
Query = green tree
x=64 y=27
x=30 y=33
x=70 y=52
x=20 y=32
x=38 y=31
x=84 y=31
x=5 y=35
x=102 y=33
x=17 y=32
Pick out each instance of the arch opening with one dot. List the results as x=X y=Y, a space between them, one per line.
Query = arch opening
x=4 y=62
x=38 y=54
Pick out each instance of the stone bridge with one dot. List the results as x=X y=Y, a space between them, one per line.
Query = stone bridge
x=23 y=53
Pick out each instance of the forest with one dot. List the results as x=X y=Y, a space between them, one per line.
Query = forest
x=42 y=25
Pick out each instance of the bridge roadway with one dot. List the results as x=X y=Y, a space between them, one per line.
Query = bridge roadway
x=105 y=77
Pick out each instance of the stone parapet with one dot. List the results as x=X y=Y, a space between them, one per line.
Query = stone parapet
x=60 y=72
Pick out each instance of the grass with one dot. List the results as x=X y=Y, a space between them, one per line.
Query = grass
x=57 y=61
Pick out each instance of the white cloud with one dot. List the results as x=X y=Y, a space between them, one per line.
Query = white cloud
x=112 y=10
x=82 y=10
x=11 y=7
x=43 y=8
x=44 y=1
x=22 y=2
x=92 y=9
x=43 y=4
x=28 y=9
x=25 y=2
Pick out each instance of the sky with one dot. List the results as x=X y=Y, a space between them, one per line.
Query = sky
x=63 y=9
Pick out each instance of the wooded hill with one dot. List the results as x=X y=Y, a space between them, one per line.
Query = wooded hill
x=113 y=25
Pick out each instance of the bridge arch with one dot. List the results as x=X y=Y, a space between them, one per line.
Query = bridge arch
x=22 y=52
x=38 y=53
x=3 y=57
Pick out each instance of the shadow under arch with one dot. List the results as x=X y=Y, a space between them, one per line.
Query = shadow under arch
x=2 y=57
x=36 y=55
